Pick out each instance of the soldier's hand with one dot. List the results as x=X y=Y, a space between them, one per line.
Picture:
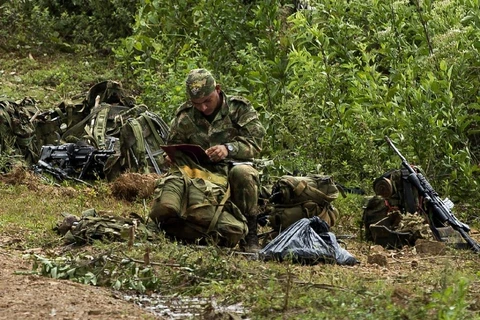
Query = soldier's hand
x=168 y=161
x=217 y=153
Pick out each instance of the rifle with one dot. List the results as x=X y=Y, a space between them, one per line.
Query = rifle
x=151 y=156
x=67 y=160
x=439 y=208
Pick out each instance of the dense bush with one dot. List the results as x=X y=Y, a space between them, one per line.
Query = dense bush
x=57 y=24
x=329 y=82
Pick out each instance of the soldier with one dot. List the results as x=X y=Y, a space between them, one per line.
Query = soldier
x=229 y=130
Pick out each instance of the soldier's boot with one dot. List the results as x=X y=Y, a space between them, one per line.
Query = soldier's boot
x=251 y=239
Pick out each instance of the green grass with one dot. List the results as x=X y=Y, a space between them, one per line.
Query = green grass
x=437 y=287
x=52 y=79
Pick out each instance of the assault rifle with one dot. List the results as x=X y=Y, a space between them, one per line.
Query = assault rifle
x=439 y=210
x=74 y=162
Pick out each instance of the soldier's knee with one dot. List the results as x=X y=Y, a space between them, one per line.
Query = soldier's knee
x=243 y=172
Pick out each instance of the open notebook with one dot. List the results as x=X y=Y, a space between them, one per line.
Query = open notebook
x=194 y=151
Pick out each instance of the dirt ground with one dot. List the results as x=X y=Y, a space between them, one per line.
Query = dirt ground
x=28 y=296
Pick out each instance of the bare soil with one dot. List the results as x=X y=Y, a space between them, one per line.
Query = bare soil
x=28 y=296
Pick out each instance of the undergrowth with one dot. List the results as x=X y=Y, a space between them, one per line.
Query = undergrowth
x=409 y=287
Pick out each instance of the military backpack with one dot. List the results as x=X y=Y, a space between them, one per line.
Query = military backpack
x=385 y=215
x=194 y=205
x=295 y=197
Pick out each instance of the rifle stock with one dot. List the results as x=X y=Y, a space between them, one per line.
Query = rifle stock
x=439 y=210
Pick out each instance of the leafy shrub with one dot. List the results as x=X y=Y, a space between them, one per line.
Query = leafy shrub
x=328 y=83
x=64 y=23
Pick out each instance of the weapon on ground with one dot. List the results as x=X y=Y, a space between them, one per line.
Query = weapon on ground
x=151 y=156
x=440 y=211
x=74 y=162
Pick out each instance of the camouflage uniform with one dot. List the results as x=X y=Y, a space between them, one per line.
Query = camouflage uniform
x=235 y=125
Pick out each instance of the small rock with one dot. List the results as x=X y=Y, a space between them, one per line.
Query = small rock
x=427 y=247
x=414 y=264
x=379 y=259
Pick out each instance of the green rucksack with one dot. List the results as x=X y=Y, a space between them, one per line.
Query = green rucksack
x=394 y=217
x=67 y=121
x=294 y=198
x=393 y=192
x=195 y=206
x=17 y=128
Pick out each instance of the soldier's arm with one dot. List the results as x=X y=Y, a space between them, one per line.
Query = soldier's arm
x=248 y=144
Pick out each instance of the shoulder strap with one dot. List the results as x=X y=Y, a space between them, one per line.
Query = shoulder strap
x=148 y=119
x=98 y=130
x=219 y=210
x=139 y=139
x=410 y=205
x=81 y=124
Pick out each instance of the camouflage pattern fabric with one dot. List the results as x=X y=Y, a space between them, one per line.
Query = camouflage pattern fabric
x=296 y=197
x=415 y=224
x=196 y=209
x=93 y=226
x=236 y=123
x=17 y=128
x=200 y=83
x=245 y=183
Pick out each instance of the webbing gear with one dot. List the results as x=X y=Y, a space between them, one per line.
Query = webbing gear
x=98 y=130
x=410 y=203
x=219 y=210
x=81 y=125
x=148 y=116
x=139 y=140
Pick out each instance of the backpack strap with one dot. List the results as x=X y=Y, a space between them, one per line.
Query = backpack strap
x=410 y=205
x=139 y=148
x=219 y=210
x=153 y=129
x=82 y=123
x=313 y=193
x=98 y=130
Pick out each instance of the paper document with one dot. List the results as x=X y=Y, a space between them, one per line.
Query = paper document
x=194 y=151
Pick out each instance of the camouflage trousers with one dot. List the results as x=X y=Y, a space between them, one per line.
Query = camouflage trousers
x=244 y=185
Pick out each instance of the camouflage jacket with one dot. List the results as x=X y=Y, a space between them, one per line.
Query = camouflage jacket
x=236 y=123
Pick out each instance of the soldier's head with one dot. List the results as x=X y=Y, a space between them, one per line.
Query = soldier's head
x=203 y=91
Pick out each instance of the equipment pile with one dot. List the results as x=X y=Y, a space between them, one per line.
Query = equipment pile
x=99 y=136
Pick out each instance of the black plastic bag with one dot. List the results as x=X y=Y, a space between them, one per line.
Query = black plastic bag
x=307 y=241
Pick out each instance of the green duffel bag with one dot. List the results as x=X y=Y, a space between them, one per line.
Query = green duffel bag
x=297 y=197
